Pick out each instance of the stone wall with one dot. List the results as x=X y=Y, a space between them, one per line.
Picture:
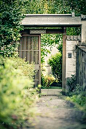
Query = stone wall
x=81 y=66
x=70 y=58
x=71 y=43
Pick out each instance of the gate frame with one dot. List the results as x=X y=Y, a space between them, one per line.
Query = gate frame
x=58 y=20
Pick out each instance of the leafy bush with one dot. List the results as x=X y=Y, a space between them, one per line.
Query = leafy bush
x=78 y=96
x=17 y=96
x=10 y=17
x=71 y=84
x=56 y=64
x=27 y=69
x=46 y=81
x=77 y=93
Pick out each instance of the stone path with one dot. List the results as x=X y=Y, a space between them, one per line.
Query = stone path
x=54 y=112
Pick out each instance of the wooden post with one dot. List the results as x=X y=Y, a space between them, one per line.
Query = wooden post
x=64 y=62
x=40 y=62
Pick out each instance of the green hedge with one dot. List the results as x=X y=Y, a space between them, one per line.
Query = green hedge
x=17 y=95
x=56 y=64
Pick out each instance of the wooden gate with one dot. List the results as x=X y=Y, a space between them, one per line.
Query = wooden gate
x=30 y=50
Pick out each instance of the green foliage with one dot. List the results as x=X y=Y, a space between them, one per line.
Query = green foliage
x=47 y=7
x=10 y=17
x=11 y=13
x=44 y=52
x=27 y=69
x=54 y=6
x=47 y=80
x=77 y=94
x=79 y=6
x=71 y=84
x=56 y=64
x=17 y=95
x=48 y=41
x=60 y=48
x=79 y=97
x=73 y=30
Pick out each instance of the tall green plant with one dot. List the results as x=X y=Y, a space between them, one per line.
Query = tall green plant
x=10 y=17
x=56 y=64
x=17 y=95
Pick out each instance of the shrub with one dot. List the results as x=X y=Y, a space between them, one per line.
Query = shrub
x=10 y=17
x=56 y=64
x=46 y=81
x=17 y=96
x=27 y=69
x=71 y=84
x=79 y=97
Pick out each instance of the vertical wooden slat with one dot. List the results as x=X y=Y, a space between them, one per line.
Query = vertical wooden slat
x=35 y=49
x=20 y=48
x=64 y=63
x=28 y=43
x=32 y=48
x=29 y=49
x=39 y=42
x=24 y=47
x=35 y=58
x=34 y=39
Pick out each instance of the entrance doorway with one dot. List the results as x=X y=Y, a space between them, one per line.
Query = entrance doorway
x=30 y=48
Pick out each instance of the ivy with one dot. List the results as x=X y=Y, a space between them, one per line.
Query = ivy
x=10 y=17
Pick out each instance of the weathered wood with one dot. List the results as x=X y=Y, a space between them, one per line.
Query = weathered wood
x=54 y=31
x=40 y=60
x=39 y=31
x=30 y=49
x=64 y=62
x=20 y=48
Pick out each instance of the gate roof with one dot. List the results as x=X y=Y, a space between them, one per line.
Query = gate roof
x=52 y=20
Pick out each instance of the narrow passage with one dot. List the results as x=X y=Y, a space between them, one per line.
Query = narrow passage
x=54 y=112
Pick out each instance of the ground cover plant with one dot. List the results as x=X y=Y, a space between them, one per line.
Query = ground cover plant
x=77 y=94
x=78 y=97
x=17 y=96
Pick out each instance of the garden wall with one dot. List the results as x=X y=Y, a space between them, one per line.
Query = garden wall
x=81 y=66
x=71 y=43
